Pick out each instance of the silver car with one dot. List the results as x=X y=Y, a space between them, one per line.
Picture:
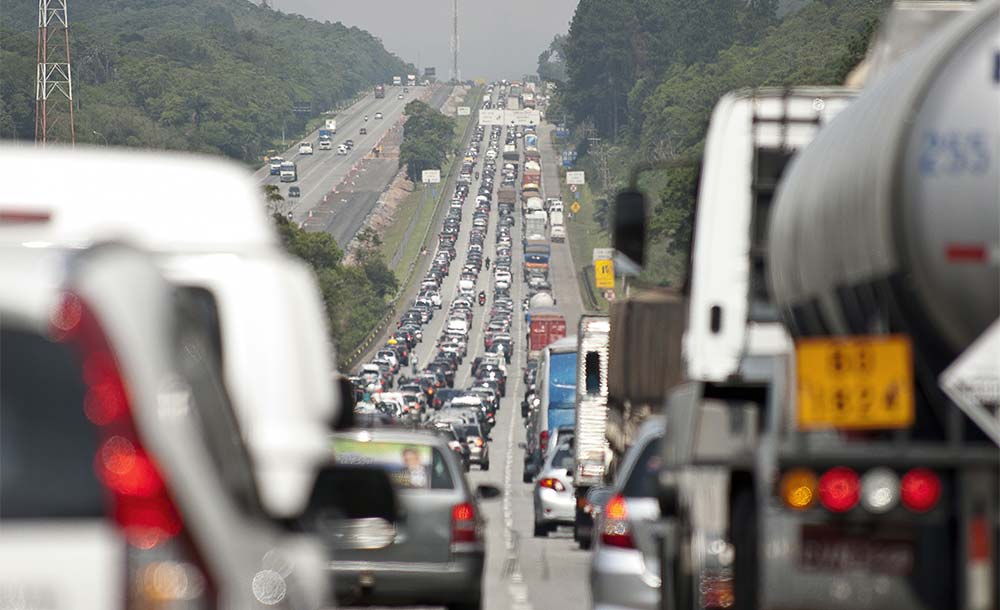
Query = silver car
x=434 y=555
x=553 y=494
x=624 y=569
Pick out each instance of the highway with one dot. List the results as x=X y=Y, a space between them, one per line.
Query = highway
x=324 y=169
x=522 y=572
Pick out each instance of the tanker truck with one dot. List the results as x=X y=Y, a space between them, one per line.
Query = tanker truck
x=880 y=488
x=733 y=337
x=813 y=458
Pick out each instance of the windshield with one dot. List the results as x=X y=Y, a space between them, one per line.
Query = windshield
x=536 y=258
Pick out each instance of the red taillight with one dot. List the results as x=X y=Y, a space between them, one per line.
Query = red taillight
x=479 y=441
x=839 y=489
x=141 y=503
x=555 y=484
x=616 y=530
x=464 y=529
x=543 y=440
x=920 y=490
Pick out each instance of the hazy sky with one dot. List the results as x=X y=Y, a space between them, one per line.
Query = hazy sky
x=497 y=38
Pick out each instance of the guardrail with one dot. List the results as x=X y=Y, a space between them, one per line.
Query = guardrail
x=350 y=361
x=586 y=283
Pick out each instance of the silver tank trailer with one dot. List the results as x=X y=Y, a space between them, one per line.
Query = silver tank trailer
x=890 y=219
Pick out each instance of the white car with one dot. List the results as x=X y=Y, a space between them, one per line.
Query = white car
x=341 y=150
x=325 y=145
x=116 y=483
x=378 y=115
x=231 y=261
x=306 y=148
x=399 y=97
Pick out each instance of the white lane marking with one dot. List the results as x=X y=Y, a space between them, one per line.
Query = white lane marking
x=516 y=588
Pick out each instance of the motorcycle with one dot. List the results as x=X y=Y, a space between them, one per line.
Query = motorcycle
x=482 y=297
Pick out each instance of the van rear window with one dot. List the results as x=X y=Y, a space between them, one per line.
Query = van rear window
x=47 y=445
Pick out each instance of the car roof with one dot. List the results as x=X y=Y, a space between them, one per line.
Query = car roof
x=148 y=204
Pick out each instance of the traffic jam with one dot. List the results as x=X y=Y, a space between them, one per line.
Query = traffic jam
x=472 y=343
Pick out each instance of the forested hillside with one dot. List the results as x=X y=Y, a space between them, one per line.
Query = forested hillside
x=645 y=74
x=216 y=76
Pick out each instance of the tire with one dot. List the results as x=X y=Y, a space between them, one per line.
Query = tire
x=541 y=530
x=485 y=466
x=525 y=477
x=744 y=537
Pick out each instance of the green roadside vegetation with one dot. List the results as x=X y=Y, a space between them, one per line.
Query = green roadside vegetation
x=420 y=203
x=356 y=296
x=212 y=76
x=637 y=81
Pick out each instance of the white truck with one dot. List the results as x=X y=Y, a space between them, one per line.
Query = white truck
x=289 y=172
x=534 y=225
x=591 y=452
x=411 y=80
x=331 y=124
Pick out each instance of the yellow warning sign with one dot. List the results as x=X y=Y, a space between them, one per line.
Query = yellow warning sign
x=575 y=207
x=604 y=274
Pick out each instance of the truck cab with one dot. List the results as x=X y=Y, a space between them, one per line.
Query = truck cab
x=289 y=172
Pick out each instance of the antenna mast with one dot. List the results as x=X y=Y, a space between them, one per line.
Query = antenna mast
x=454 y=41
x=54 y=77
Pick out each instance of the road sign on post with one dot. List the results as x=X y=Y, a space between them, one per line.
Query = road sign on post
x=491 y=117
x=576 y=177
x=575 y=207
x=430 y=176
x=604 y=274
x=603 y=254
x=464 y=111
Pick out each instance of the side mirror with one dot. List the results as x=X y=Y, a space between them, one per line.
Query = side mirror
x=598 y=497
x=353 y=507
x=344 y=419
x=628 y=232
x=487 y=492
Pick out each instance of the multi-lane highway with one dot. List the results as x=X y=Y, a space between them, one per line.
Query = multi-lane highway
x=324 y=169
x=522 y=572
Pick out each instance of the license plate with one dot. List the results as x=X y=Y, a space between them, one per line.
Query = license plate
x=831 y=551
x=860 y=383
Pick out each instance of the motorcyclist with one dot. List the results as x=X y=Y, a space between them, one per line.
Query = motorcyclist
x=482 y=297
x=477 y=175
x=366 y=118
x=487 y=262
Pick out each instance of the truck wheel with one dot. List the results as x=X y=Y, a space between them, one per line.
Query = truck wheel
x=484 y=466
x=541 y=530
x=525 y=477
x=744 y=537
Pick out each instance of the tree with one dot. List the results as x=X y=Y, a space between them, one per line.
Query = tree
x=428 y=136
x=552 y=61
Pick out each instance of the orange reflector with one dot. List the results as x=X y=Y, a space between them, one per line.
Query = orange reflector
x=798 y=488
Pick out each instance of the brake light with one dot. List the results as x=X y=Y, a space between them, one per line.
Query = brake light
x=162 y=565
x=479 y=441
x=920 y=490
x=555 y=484
x=464 y=529
x=839 y=489
x=543 y=440
x=616 y=531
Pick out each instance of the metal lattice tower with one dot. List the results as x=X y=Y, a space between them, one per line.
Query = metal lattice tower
x=454 y=41
x=54 y=82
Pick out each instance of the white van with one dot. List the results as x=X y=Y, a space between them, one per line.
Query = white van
x=466 y=287
x=225 y=255
x=557 y=233
x=556 y=217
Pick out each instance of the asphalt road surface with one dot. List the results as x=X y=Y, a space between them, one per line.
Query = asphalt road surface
x=522 y=572
x=324 y=169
